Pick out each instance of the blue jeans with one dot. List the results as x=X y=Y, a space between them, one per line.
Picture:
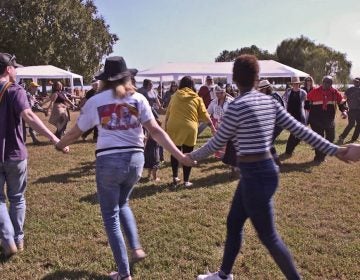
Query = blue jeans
x=14 y=174
x=116 y=175
x=253 y=199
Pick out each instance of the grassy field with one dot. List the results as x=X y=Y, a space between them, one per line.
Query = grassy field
x=183 y=230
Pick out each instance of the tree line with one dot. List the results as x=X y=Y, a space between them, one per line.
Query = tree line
x=69 y=34
x=301 y=53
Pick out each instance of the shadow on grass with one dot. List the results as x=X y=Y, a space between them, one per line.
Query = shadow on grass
x=48 y=143
x=40 y=143
x=146 y=190
x=304 y=167
x=213 y=179
x=72 y=175
x=140 y=191
x=3 y=259
x=74 y=275
x=90 y=198
x=205 y=167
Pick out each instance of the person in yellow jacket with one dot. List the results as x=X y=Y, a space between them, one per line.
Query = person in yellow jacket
x=186 y=109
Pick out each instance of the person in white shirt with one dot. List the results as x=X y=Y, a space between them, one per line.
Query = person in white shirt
x=119 y=114
x=219 y=105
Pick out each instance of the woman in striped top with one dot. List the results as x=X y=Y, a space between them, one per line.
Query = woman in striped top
x=249 y=122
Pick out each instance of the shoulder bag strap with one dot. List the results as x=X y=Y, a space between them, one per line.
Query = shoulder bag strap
x=4 y=87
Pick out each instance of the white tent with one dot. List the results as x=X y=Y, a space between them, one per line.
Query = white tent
x=46 y=72
x=174 y=71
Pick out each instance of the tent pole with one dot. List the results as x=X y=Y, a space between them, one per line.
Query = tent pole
x=72 y=84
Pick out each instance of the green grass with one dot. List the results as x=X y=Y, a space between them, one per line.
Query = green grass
x=183 y=230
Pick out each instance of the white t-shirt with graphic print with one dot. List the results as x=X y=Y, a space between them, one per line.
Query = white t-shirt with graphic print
x=119 y=121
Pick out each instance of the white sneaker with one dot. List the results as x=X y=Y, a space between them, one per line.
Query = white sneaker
x=188 y=184
x=213 y=276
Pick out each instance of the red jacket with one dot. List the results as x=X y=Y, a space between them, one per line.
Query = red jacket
x=204 y=93
x=323 y=104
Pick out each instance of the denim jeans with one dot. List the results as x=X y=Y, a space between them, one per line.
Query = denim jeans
x=14 y=174
x=116 y=175
x=253 y=199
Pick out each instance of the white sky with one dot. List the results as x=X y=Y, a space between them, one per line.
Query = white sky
x=160 y=31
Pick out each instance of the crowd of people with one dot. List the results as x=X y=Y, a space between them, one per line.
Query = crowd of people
x=127 y=124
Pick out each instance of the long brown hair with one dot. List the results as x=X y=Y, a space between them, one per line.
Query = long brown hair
x=114 y=86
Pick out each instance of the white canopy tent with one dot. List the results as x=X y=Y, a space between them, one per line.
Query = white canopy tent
x=174 y=71
x=46 y=72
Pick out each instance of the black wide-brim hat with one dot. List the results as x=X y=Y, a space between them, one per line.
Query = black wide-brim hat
x=115 y=69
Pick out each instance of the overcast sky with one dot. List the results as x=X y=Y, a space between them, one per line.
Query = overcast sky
x=153 y=32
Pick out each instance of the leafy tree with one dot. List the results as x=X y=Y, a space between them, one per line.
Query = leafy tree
x=301 y=53
x=293 y=52
x=64 y=33
x=316 y=59
x=254 y=50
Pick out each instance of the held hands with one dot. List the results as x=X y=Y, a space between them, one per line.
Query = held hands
x=341 y=154
x=188 y=161
x=353 y=152
x=349 y=153
x=65 y=150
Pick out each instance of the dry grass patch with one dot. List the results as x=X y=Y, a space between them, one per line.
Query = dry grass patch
x=183 y=230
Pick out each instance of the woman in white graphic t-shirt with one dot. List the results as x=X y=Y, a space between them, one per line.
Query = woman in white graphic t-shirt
x=120 y=114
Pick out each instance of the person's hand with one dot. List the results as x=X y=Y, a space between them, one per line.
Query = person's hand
x=65 y=150
x=213 y=131
x=188 y=161
x=352 y=153
x=341 y=154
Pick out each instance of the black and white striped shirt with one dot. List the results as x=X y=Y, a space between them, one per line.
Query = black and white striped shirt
x=249 y=122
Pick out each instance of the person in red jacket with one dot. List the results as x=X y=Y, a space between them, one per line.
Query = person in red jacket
x=321 y=104
x=206 y=92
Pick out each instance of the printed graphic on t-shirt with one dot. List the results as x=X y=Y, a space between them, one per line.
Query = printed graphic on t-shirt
x=119 y=116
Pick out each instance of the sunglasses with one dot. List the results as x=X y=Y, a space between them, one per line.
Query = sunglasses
x=12 y=58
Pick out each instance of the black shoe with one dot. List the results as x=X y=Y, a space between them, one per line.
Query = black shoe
x=285 y=156
x=319 y=160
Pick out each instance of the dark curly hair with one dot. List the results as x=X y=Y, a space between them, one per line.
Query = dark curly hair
x=246 y=70
x=188 y=82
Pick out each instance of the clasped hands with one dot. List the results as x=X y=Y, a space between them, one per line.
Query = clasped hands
x=349 y=153
x=188 y=161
